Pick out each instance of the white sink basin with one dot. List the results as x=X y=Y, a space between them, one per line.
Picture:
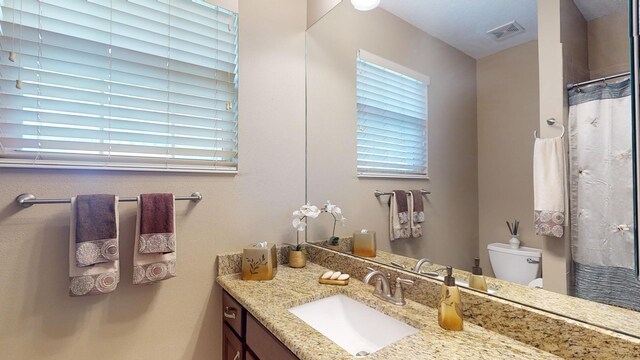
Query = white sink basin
x=354 y=326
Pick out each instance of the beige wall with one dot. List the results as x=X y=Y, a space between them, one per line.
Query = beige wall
x=508 y=109
x=179 y=318
x=316 y=9
x=608 y=45
x=451 y=228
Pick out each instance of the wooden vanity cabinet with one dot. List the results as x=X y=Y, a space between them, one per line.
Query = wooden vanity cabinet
x=244 y=338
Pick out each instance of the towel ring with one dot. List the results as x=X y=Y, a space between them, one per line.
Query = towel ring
x=550 y=122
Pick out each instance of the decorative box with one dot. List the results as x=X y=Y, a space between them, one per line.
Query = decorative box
x=259 y=263
x=364 y=243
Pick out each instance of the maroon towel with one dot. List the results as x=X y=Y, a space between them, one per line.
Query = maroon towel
x=96 y=229
x=157 y=228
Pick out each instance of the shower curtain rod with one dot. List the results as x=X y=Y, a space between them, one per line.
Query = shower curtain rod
x=571 y=86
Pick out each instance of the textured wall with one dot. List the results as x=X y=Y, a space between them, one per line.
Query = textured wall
x=608 y=45
x=179 y=318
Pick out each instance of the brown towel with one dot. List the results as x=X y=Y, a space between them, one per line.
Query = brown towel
x=96 y=229
x=157 y=231
x=100 y=278
x=402 y=205
x=418 y=206
x=149 y=268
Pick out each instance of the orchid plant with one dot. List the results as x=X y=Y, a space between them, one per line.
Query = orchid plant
x=312 y=211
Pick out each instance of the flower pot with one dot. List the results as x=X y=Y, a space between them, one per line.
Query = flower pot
x=297 y=259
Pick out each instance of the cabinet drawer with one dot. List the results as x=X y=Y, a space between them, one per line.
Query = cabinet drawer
x=232 y=313
x=264 y=344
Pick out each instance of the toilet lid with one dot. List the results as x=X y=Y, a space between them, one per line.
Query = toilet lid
x=536 y=283
x=522 y=251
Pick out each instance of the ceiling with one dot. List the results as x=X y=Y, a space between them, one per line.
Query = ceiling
x=463 y=24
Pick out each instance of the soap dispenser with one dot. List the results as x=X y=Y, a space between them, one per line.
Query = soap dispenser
x=450 y=305
x=477 y=280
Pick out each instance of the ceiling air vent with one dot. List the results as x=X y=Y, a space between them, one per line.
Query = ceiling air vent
x=506 y=31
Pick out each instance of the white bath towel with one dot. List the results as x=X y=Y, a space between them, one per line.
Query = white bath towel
x=397 y=230
x=549 y=187
x=99 y=278
x=416 y=228
x=153 y=267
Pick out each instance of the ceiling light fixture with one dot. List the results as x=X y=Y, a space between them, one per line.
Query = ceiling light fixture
x=365 y=5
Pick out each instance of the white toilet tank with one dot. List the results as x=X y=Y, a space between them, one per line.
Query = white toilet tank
x=520 y=265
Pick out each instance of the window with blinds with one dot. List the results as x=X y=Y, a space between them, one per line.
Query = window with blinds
x=391 y=119
x=119 y=84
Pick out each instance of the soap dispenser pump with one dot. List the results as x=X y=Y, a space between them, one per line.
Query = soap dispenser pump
x=477 y=280
x=450 y=304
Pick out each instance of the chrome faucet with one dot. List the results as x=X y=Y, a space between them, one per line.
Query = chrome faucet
x=383 y=289
x=421 y=262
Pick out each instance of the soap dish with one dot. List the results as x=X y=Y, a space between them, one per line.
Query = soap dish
x=334 y=278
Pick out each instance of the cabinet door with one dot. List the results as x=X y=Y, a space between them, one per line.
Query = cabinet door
x=248 y=355
x=264 y=344
x=231 y=345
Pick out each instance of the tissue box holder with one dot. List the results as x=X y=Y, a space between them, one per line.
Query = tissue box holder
x=259 y=263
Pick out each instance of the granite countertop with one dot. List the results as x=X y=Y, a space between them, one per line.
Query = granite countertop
x=268 y=302
x=591 y=312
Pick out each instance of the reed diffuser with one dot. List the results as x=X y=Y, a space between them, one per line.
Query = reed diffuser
x=514 y=242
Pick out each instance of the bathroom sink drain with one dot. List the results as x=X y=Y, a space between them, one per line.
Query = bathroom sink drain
x=362 y=353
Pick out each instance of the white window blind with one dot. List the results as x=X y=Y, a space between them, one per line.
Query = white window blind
x=391 y=120
x=121 y=84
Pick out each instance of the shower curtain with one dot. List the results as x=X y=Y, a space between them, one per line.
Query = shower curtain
x=601 y=194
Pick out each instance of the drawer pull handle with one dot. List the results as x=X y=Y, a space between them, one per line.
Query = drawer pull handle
x=532 y=261
x=229 y=313
x=237 y=357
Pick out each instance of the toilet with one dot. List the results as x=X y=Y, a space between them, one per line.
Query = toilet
x=520 y=265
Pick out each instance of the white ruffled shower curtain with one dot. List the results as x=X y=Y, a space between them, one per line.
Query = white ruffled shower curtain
x=601 y=194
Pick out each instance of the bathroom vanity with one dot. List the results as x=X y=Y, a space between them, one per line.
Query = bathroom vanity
x=269 y=329
x=493 y=328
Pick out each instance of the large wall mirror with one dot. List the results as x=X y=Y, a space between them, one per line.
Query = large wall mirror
x=441 y=99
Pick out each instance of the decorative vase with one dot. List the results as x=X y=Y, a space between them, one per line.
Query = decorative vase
x=297 y=259
x=514 y=243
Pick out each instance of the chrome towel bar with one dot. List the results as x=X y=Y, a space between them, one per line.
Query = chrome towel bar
x=26 y=200
x=379 y=193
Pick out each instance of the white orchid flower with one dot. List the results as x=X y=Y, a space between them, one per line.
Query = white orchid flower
x=329 y=206
x=299 y=224
x=332 y=209
x=298 y=214
x=309 y=210
x=343 y=220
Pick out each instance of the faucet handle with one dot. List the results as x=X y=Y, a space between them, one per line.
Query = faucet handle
x=398 y=295
x=404 y=281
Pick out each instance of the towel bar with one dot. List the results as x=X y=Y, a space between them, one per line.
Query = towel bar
x=379 y=193
x=26 y=200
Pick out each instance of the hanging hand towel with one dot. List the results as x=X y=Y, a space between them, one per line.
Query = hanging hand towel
x=157 y=234
x=402 y=205
x=96 y=229
x=149 y=268
x=416 y=228
x=549 y=187
x=397 y=230
x=103 y=276
x=418 y=206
